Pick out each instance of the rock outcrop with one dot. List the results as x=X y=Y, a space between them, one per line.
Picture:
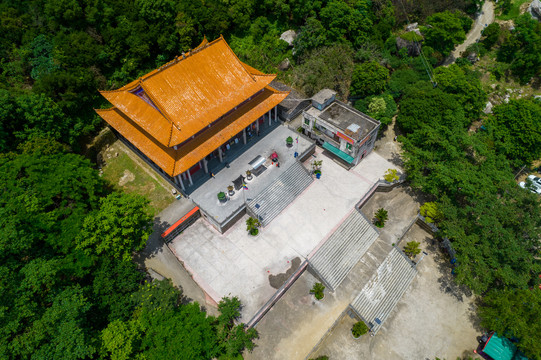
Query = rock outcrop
x=535 y=9
x=289 y=36
x=414 y=48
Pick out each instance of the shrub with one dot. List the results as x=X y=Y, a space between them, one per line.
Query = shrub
x=431 y=212
x=359 y=329
x=252 y=226
x=381 y=216
x=391 y=175
x=412 y=249
x=317 y=290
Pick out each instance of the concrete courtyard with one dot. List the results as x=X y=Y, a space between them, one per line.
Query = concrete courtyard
x=236 y=264
x=206 y=195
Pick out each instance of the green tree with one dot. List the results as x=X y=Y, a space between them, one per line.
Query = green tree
x=162 y=325
x=516 y=128
x=423 y=105
x=381 y=217
x=60 y=333
x=490 y=35
x=120 y=227
x=318 y=290
x=446 y=29
x=343 y=21
x=328 y=67
x=391 y=175
x=431 y=212
x=400 y=80
x=412 y=249
x=510 y=313
x=359 y=329
x=369 y=78
x=252 y=226
x=464 y=86
x=311 y=36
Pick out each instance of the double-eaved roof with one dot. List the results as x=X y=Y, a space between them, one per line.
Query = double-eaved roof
x=170 y=105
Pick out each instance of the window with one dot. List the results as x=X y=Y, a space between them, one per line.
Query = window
x=306 y=121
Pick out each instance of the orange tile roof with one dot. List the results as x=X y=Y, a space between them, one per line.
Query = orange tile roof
x=163 y=156
x=175 y=162
x=189 y=92
x=205 y=143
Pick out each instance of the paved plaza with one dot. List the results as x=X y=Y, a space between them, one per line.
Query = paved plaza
x=206 y=195
x=236 y=264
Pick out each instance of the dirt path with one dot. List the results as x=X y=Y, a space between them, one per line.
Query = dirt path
x=486 y=18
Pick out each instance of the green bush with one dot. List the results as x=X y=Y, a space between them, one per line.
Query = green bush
x=431 y=212
x=359 y=329
x=391 y=175
x=318 y=290
x=412 y=249
x=252 y=226
x=381 y=217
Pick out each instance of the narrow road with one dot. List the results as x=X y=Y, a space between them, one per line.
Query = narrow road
x=486 y=18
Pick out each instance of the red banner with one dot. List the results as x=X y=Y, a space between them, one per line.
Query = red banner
x=347 y=138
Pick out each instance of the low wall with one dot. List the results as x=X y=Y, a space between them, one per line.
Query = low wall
x=379 y=186
x=277 y=295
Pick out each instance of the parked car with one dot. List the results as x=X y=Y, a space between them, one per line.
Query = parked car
x=534 y=186
x=535 y=179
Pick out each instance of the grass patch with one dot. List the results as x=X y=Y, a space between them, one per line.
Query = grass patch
x=514 y=12
x=411 y=36
x=127 y=175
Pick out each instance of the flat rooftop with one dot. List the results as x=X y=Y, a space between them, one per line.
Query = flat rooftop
x=253 y=268
x=206 y=196
x=351 y=121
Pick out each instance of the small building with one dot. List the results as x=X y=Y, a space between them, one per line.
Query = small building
x=501 y=348
x=293 y=104
x=193 y=114
x=345 y=132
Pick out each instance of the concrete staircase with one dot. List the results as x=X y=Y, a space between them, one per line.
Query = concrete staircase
x=343 y=249
x=381 y=294
x=278 y=195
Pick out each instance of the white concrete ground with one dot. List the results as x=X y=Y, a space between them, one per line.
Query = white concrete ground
x=236 y=264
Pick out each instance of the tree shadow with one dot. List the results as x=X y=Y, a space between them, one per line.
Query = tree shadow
x=396 y=159
x=447 y=281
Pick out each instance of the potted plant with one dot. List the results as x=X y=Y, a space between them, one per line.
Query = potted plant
x=252 y=226
x=318 y=291
x=230 y=190
x=248 y=175
x=316 y=168
x=221 y=197
x=289 y=141
x=380 y=217
x=359 y=329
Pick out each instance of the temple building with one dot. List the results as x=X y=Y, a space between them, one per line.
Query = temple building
x=185 y=117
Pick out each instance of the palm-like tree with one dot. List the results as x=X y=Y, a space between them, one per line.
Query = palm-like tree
x=381 y=216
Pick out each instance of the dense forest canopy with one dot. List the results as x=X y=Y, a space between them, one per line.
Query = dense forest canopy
x=71 y=290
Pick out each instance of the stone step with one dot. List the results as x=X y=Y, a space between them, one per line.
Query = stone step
x=280 y=193
x=384 y=290
x=343 y=249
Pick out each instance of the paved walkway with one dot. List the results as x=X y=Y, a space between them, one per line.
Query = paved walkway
x=484 y=19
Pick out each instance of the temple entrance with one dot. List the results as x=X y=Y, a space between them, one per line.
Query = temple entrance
x=231 y=150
